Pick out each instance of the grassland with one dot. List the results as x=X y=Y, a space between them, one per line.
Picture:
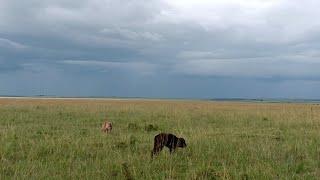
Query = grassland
x=61 y=139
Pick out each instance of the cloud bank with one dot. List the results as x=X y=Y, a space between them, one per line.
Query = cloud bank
x=160 y=48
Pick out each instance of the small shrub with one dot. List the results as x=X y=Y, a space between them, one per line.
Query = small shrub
x=98 y=144
x=133 y=126
x=133 y=140
x=133 y=143
x=121 y=145
x=83 y=131
x=126 y=172
x=244 y=177
x=114 y=173
x=207 y=174
x=300 y=168
x=151 y=127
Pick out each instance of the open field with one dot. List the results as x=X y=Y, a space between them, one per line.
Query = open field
x=61 y=139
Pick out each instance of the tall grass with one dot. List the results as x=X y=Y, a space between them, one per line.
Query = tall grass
x=61 y=139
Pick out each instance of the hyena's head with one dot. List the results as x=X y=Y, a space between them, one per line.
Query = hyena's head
x=181 y=143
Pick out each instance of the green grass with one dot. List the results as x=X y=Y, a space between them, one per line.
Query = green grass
x=61 y=139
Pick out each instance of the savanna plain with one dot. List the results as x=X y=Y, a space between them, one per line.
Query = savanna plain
x=61 y=139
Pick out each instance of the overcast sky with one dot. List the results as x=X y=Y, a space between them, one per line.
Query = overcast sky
x=161 y=48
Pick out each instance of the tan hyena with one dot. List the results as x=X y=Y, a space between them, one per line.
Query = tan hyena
x=106 y=127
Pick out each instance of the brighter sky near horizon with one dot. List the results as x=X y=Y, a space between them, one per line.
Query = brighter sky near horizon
x=160 y=48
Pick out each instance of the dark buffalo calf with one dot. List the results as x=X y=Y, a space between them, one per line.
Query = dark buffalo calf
x=169 y=140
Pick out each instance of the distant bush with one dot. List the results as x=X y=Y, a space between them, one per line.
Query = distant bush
x=151 y=127
x=121 y=145
x=133 y=126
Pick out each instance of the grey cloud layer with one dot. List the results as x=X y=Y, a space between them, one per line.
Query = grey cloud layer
x=228 y=39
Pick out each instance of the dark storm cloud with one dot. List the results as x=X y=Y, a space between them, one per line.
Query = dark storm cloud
x=161 y=43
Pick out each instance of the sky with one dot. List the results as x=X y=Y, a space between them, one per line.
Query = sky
x=160 y=48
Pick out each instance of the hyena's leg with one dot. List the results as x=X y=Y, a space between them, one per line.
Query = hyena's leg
x=155 y=151
x=172 y=145
x=157 y=147
x=103 y=128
